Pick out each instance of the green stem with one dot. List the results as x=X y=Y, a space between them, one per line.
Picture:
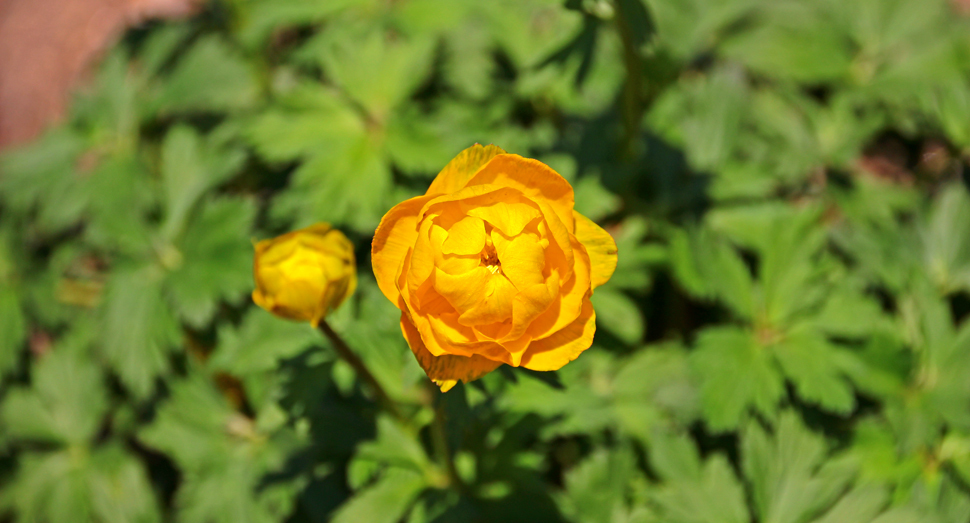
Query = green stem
x=349 y=356
x=633 y=105
x=439 y=438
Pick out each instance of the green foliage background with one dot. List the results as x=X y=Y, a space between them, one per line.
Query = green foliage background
x=785 y=339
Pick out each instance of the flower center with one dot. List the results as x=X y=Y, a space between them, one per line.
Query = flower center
x=490 y=257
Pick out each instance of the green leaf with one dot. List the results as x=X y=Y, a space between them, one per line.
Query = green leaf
x=793 y=41
x=860 y=504
x=190 y=168
x=593 y=200
x=216 y=260
x=349 y=188
x=395 y=447
x=42 y=176
x=736 y=374
x=224 y=457
x=395 y=67
x=260 y=342
x=809 y=360
x=211 y=77
x=782 y=471
x=161 y=45
x=946 y=237
x=703 y=116
x=638 y=259
x=309 y=120
x=119 y=198
x=258 y=20
x=12 y=325
x=619 y=314
x=418 y=143
x=66 y=402
x=386 y=501
x=630 y=395
x=708 y=267
x=674 y=456
x=77 y=484
x=714 y=497
x=596 y=489
x=139 y=331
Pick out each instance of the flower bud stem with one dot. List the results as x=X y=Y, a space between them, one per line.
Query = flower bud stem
x=349 y=356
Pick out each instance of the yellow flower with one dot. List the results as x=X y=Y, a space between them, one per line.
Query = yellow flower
x=304 y=274
x=492 y=265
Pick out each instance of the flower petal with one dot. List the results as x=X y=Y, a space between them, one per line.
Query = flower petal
x=496 y=304
x=463 y=291
x=531 y=302
x=522 y=259
x=553 y=352
x=466 y=236
x=461 y=168
x=601 y=249
x=509 y=217
x=574 y=292
x=448 y=369
x=397 y=232
x=532 y=178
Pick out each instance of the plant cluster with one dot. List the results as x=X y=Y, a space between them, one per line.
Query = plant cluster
x=784 y=339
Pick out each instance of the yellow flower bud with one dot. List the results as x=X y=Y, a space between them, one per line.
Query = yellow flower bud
x=304 y=274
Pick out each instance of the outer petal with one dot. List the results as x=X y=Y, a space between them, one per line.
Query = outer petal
x=461 y=168
x=574 y=293
x=553 y=352
x=600 y=247
x=445 y=370
x=532 y=178
x=397 y=232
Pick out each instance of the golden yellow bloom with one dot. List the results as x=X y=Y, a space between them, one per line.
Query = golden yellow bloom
x=304 y=274
x=492 y=265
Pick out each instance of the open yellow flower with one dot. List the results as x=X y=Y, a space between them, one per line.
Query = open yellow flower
x=304 y=274
x=492 y=265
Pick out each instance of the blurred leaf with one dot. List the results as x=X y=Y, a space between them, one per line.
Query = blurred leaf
x=259 y=18
x=736 y=373
x=386 y=501
x=596 y=489
x=593 y=200
x=260 y=342
x=793 y=41
x=703 y=116
x=216 y=260
x=810 y=362
x=635 y=264
x=394 y=447
x=223 y=456
x=394 y=67
x=41 y=176
x=308 y=121
x=190 y=167
x=946 y=236
x=12 y=325
x=713 y=497
x=710 y=268
x=631 y=395
x=77 y=484
x=782 y=471
x=619 y=314
x=210 y=77
x=65 y=404
x=139 y=330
